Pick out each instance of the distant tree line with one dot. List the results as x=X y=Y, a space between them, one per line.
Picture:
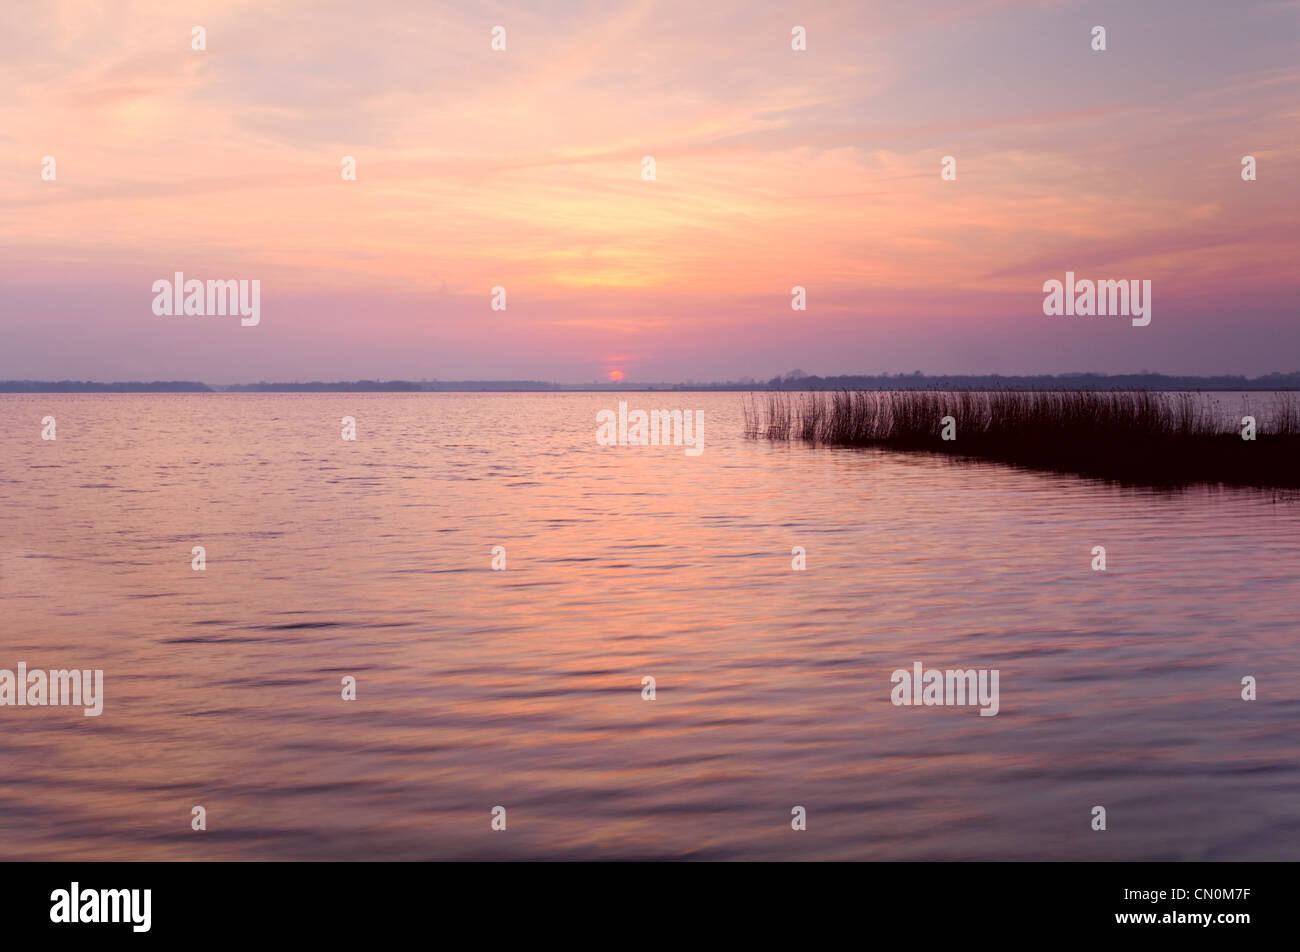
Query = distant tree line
x=317 y=386
x=89 y=386
x=1072 y=381
x=795 y=380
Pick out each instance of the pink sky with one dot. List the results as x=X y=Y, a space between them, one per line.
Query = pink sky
x=522 y=168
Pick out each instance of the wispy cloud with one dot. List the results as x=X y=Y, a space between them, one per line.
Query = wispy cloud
x=774 y=168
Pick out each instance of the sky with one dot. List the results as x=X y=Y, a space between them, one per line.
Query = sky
x=522 y=169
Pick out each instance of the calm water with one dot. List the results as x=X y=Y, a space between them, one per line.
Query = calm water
x=523 y=688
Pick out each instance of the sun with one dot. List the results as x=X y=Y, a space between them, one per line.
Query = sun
x=616 y=375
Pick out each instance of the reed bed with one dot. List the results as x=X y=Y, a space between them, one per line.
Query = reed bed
x=1131 y=436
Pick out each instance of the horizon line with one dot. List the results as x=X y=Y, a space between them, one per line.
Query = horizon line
x=1276 y=380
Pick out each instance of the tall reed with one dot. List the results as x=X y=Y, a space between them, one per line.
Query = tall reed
x=1139 y=436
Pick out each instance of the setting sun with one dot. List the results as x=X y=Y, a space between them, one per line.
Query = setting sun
x=616 y=375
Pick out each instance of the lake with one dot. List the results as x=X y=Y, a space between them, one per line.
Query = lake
x=523 y=687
